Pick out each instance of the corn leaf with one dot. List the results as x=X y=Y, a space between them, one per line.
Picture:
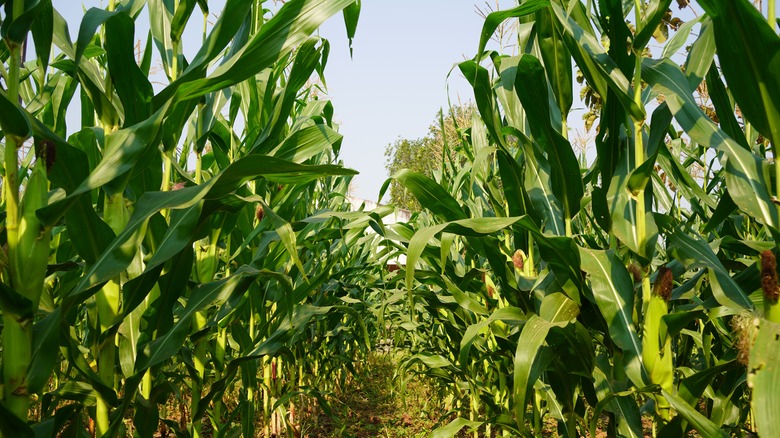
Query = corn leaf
x=747 y=176
x=749 y=50
x=613 y=291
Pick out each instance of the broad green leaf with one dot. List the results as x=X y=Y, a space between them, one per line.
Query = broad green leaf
x=508 y=315
x=764 y=377
x=557 y=61
x=528 y=346
x=13 y=121
x=749 y=51
x=680 y=38
x=651 y=18
x=181 y=16
x=494 y=19
x=623 y=211
x=306 y=143
x=701 y=55
x=178 y=234
x=225 y=28
x=16 y=29
x=694 y=417
x=613 y=290
x=130 y=81
x=531 y=88
x=452 y=428
x=591 y=56
x=121 y=251
x=747 y=176
x=45 y=352
x=291 y=26
x=484 y=97
x=169 y=343
x=287 y=236
x=539 y=189
x=11 y=425
x=42 y=30
x=724 y=107
x=694 y=253
x=351 y=16
x=431 y=195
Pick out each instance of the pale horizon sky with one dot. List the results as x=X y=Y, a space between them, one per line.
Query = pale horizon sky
x=396 y=82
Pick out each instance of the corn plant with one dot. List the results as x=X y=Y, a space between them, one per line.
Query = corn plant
x=162 y=247
x=543 y=284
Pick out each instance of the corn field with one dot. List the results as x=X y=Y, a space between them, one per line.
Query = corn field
x=186 y=262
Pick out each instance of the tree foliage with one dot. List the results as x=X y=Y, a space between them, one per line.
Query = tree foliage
x=426 y=155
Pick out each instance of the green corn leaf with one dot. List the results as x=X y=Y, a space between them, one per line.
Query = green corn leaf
x=693 y=253
x=431 y=195
x=654 y=12
x=592 y=58
x=680 y=38
x=16 y=29
x=613 y=291
x=130 y=81
x=452 y=428
x=516 y=198
x=351 y=16
x=169 y=343
x=508 y=315
x=531 y=88
x=525 y=374
x=694 y=417
x=181 y=16
x=93 y=18
x=623 y=211
x=291 y=26
x=484 y=97
x=494 y=19
x=13 y=121
x=764 y=376
x=557 y=60
x=749 y=51
x=701 y=55
x=42 y=30
x=724 y=107
x=747 y=176
x=122 y=249
x=45 y=351
x=178 y=234
x=287 y=236
x=306 y=143
x=226 y=27
x=539 y=189
x=11 y=425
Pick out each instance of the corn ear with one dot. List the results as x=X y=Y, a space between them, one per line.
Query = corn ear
x=656 y=345
x=32 y=254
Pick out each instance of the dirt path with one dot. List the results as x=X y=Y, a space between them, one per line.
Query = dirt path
x=373 y=407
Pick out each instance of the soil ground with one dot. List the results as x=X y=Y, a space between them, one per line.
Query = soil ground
x=373 y=406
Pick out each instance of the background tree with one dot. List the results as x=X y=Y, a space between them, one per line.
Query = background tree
x=425 y=155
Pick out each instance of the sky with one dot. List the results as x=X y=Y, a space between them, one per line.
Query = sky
x=396 y=81
x=394 y=84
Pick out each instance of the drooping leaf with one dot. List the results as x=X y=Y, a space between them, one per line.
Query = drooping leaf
x=693 y=252
x=747 y=176
x=749 y=50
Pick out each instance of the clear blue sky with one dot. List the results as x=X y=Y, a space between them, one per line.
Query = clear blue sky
x=394 y=84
